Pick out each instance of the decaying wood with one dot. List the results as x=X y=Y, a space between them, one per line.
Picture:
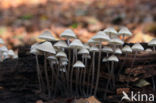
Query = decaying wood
x=18 y=80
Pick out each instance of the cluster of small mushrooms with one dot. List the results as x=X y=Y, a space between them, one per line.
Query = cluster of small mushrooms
x=68 y=60
x=5 y=53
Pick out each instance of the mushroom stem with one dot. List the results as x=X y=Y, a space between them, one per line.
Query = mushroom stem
x=38 y=73
x=52 y=76
x=122 y=65
x=153 y=83
x=77 y=79
x=80 y=81
x=93 y=70
x=98 y=71
x=69 y=65
x=154 y=48
x=84 y=77
x=46 y=74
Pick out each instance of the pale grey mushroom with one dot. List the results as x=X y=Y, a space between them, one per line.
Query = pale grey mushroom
x=124 y=32
x=153 y=44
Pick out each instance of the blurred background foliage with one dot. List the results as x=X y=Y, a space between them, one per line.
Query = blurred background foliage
x=21 y=21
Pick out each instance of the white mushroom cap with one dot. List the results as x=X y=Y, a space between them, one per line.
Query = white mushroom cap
x=113 y=58
x=118 y=51
x=86 y=46
x=126 y=49
x=83 y=51
x=15 y=56
x=11 y=53
x=101 y=36
x=104 y=60
x=68 y=34
x=64 y=59
x=124 y=31
x=61 y=44
x=51 y=57
x=148 y=50
x=4 y=49
x=152 y=42
x=110 y=31
x=5 y=55
x=46 y=35
x=79 y=64
x=137 y=47
x=91 y=41
x=1 y=41
x=107 y=49
x=33 y=49
x=61 y=54
x=94 y=49
x=116 y=41
x=46 y=47
x=76 y=43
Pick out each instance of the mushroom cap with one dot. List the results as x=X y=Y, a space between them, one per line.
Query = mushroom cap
x=137 y=47
x=68 y=34
x=83 y=51
x=107 y=49
x=94 y=49
x=64 y=59
x=4 y=49
x=79 y=64
x=113 y=58
x=61 y=44
x=148 y=50
x=118 y=51
x=152 y=42
x=101 y=36
x=11 y=53
x=46 y=47
x=34 y=50
x=61 y=54
x=5 y=54
x=124 y=31
x=91 y=41
x=1 y=41
x=51 y=57
x=126 y=49
x=104 y=59
x=76 y=43
x=116 y=41
x=110 y=31
x=46 y=35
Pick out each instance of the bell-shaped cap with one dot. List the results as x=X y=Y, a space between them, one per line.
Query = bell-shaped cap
x=4 y=49
x=1 y=41
x=116 y=41
x=152 y=42
x=61 y=54
x=61 y=44
x=79 y=64
x=124 y=31
x=107 y=49
x=104 y=59
x=126 y=49
x=137 y=47
x=46 y=47
x=110 y=31
x=34 y=50
x=11 y=53
x=68 y=34
x=91 y=41
x=94 y=49
x=148 y=50
x=76 y=43
x=83 y=51
x=118 y=51
x=46 y=35
x=100 y=37
x=52 y=57
x=113 y=58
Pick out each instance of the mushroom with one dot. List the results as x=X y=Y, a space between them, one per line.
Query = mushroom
x=78 y=65
x=124 y=32
x=148 y=50
x=34 y=51
x=75 y=44
x=46 y=47
x=135 y=48
x=153 y=44
x=46 y=35
x=11 y=53
x=93 y=49
x=2 y=50
x=100 y=37
x=118 y=51
x=112 y=59
x=111 y=32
